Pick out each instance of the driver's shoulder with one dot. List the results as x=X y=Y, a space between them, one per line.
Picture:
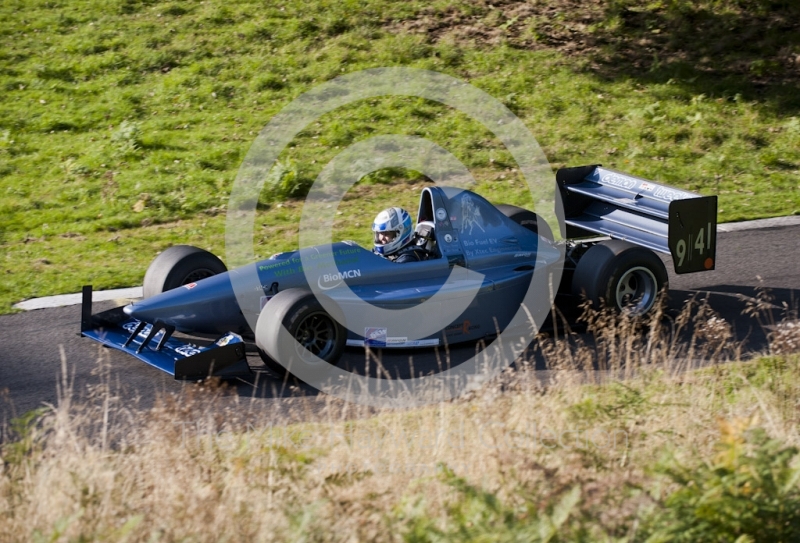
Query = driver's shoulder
x=412 y=253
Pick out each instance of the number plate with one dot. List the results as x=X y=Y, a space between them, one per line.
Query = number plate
x=693 y=234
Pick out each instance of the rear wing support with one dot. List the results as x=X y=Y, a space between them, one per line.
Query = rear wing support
x=682 y=224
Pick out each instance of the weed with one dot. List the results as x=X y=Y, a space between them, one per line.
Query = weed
x=284 y=181
x=128 y=138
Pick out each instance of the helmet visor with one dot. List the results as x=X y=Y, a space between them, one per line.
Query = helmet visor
x=382 y=238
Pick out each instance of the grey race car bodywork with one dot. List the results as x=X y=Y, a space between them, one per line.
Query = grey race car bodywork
x=467 y=232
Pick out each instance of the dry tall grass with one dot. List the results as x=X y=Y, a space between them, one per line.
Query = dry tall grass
x=190 y=470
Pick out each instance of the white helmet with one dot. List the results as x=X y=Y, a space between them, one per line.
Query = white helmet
x=392 y=230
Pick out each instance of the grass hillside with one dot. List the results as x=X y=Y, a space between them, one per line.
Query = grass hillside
x=123 y=123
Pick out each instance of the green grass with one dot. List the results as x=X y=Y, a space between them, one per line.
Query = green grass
x=118 y=117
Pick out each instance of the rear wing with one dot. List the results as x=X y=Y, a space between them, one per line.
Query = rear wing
x=682 y=224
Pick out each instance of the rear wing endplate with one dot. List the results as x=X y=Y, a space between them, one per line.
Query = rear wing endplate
x=682 y=224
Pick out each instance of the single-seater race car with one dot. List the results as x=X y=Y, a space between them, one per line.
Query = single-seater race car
x=614 y=223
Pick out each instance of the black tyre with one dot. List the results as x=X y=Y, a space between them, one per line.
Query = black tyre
x=311 y=330
x=528 y=219
x=180 y=265
x=620 y=275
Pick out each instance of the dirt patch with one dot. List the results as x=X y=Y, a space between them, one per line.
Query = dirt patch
x=753 y=44
x=521 y=24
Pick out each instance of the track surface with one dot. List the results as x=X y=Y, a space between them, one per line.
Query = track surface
x=32 y=343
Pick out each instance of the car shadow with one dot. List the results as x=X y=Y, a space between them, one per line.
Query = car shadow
x=751 y=314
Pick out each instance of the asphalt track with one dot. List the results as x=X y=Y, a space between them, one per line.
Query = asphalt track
x=34 y=344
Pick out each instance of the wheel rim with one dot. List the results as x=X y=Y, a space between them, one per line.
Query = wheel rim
x=636 y=291
x=197 y=275
x=317 y=334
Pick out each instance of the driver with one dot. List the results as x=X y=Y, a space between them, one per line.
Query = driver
x=394 y=236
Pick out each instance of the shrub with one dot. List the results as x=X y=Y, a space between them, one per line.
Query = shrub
x=749 y=492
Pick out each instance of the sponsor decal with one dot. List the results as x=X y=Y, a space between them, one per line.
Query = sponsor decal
x=480 y=246
x=670 y=194
x=461 y=328
x=336 y=278
x=617 y=180
x=522 y=255
x=448 y=238
x=470 y=215
x=415 y=343
x=130 y=326
x=299 y=269
x=375 y=337
x=296 y=261
x=441 y=214
x=187 y=350
x=349 y=274
x=228 y=338
x=646 y=186
x=190 y=286
x=395 y=342
x=221 y=342
x=480 y=242
x=286 y=262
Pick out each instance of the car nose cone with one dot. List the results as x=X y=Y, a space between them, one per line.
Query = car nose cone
x=207 y=306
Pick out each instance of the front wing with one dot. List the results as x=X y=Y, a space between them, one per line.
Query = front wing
x=153 y=344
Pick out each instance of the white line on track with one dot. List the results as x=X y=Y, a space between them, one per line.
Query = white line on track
x=792 y=220
x=122 y=294
x=127 y=294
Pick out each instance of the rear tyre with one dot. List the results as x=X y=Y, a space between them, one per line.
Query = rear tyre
x=180 y=265
x=620 y=275
x=292 y=326
x=528 y=219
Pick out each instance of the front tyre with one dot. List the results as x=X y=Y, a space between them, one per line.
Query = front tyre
x=620 y=275
x=295 y=329
x=180 y=265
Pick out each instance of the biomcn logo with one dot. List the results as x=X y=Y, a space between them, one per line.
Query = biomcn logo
x=336 y=278
x=350 y=274
x=318 y=215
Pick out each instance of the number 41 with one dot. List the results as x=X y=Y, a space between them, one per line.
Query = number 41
x=699 y=242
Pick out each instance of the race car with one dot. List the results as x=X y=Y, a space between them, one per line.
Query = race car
x=482 y=261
